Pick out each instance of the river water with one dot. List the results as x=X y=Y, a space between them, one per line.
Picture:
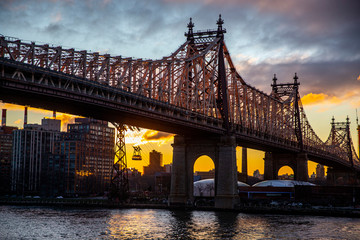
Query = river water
x=18 y=222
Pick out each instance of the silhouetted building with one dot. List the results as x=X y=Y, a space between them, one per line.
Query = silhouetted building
x=320 y=171
x=155 y=163
x=205 y=175
x=6 y=143
x=134 y=177
x=162 y=182
x=32 y=148
x=63 y=165
x=85 y=156
x=168 y=168
x=286 y=176
x=51 y=124
x=257 y=175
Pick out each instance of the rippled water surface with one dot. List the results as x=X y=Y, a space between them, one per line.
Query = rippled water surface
x=60 y=223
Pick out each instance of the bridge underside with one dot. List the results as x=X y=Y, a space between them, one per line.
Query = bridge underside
x=41 y=88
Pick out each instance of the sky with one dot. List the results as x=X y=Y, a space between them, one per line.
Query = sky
x=317 y=39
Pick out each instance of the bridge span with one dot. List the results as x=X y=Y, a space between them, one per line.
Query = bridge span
x=195 y=92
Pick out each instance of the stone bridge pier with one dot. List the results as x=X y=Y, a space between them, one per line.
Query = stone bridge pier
x=222 y=150
x=297 y=161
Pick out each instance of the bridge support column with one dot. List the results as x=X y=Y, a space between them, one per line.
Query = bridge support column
x=297 y=161
x=186 y=151
x=244 y=167
x=179 y=178
x=301 y=173
x=269 y=170
x=226 y=191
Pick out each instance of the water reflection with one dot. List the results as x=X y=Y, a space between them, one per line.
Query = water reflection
x=139 y=224
x=227 y=224
x=180 y=225
x=60 y=223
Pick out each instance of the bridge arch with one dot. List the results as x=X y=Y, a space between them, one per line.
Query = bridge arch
x=286 y=170
x=204 y=175
x=203 y=163
x=200 y=151
x=296 y=161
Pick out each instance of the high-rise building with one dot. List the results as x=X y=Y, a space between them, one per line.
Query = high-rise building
x=257 y=174
x=85 y=156
x=6 y=143
x=51 y=124
x=168 y=167
x=320 y=171
x=155 y=164
x=32 y=149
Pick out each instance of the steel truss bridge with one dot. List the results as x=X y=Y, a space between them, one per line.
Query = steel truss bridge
x=194 y=91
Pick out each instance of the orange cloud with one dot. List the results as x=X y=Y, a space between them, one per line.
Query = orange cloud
x=14 y=107
x=336 y=100
x=355 y=103
x=358 y=78
x=65 y=120
x=351 y=97
x=311 y=98
x=19 y=121
x=151 y=135
x=144 y=136
x=321 y=98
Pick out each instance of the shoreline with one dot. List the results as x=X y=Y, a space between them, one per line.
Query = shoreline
x=351 y=212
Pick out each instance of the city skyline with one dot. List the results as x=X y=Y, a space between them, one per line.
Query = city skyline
x=263 y=39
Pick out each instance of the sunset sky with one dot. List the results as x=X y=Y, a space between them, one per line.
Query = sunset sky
x=318 y=39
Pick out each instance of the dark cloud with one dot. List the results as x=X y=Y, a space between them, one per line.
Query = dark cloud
x=319 y=39
x=53 y=28
x=331 y=78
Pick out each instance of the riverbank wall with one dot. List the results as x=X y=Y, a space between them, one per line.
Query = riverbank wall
x=295 y=209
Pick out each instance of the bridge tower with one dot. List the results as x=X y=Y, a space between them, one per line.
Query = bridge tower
x=274 y=160
x=341 y=138
x=221 y=149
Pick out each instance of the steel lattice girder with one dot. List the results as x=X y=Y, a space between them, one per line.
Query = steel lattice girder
x=186 y=80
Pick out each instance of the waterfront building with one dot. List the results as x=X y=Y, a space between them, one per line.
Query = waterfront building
x=286 y=176
x=32 y=148
x=85 y=156
x=155 y=165
x=63 y=166
x=320 y=171
x=134 y=179
x=6 y=143
x=205 y=175
x=162 y=182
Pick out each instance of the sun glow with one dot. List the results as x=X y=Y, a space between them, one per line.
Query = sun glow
x=144 y=136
